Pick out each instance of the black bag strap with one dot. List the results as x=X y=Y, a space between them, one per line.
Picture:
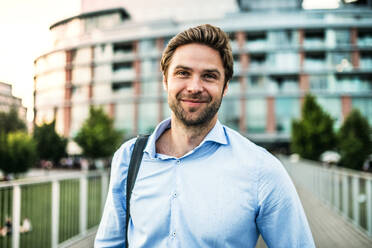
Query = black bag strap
x=134 y=165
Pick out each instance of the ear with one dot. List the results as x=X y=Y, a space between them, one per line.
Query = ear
x=165 y=83
x=226 y=88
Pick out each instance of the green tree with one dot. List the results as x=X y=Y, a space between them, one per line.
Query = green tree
x=97 y=136
x=10 y=121
x=313 y=133
x=18 y=152
x=49 y=145
x=354 y=140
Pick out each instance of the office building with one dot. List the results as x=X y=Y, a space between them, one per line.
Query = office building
x=281 y=52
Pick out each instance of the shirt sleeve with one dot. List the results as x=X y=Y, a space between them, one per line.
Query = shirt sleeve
x=281 y=219
x=112 y=228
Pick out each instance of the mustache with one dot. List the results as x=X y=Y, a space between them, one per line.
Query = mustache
x=196 y=96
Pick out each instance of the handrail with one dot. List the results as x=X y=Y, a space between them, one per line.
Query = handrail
x=59 y=206
x=347 y=192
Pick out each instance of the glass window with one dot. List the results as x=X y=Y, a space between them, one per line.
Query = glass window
x=286 y=109
x=353 y=83
x=237 y=65
x=148 y=116
x=364 y=105
x=315 y=61
x=149 y=87
x=147 y=46
x=234 y=87
x=257 y=61
x=364 y=37
x=256 y=84
x=284 y=84
x=256 y=115
x=79 y=112
x=341 y=61
x=342 y=36
x=366 y=60
x=281 y=38
x=229 y=113
x=314 y=38
x=123 y=71
x=124 y=118
x=284 y=61
x=318 y=82
x=166 y=110
x=332 y=105
x=256 y=40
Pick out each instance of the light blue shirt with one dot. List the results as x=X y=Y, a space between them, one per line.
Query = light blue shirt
x=223 y=193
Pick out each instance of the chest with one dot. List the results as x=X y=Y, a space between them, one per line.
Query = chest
x=203 y=197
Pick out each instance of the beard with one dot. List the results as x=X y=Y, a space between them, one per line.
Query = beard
x=191 y=117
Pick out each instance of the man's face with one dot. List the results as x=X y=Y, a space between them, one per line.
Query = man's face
x=195 y=84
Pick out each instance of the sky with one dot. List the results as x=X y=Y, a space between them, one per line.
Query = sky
x=25 y=35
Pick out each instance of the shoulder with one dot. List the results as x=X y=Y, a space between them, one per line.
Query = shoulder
x=120 y=163
x=247 y=149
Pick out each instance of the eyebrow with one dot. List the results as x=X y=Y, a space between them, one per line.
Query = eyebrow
x=190 y=69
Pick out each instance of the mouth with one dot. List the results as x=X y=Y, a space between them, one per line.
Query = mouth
x=193 y=102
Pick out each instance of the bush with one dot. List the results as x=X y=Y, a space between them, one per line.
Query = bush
x=97 y=137
x=18 y=152
x=354 y=141
x=49 y=145
x=10 y=122
x=313 y=133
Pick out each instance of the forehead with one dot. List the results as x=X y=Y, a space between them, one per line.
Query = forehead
x=196 y=56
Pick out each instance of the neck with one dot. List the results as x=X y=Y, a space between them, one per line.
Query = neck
x=180 y=139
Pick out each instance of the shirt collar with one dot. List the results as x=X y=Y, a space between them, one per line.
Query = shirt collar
x=217 y=134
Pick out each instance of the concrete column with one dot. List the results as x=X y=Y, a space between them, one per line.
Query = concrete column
x=346 y=106
x=355 y=55
x=112 y=110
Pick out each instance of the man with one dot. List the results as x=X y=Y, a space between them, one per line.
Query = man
x=200 y=183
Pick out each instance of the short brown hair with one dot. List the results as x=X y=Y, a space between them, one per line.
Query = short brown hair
x=207 y=35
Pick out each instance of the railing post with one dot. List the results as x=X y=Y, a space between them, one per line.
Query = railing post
x=336 y=184
x=355 y=197
x=55 y=213
x=345 y=196
x=16 y=216
x=83 y=203
x=104 y=189
x=369 y=206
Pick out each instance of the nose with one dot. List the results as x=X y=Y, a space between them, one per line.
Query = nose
x=194 y=85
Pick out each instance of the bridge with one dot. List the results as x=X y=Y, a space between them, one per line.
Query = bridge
x=64 y=209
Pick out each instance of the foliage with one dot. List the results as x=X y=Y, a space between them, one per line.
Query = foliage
x=50 y=146
x=313 y=133
x=354 y=140
x=97 y=137
x=18 y=152
x=10 y=122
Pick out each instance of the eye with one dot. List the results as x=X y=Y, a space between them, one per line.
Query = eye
x=210 y=76
x=182 y=73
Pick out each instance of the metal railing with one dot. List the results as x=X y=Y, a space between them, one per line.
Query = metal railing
x=346 y=191
x=49 y=211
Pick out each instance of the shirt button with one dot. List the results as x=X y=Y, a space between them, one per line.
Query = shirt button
x=175 y=195
x=178 y=162
x=174 y=234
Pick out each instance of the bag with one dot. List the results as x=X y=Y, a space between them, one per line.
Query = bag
x=134 y=165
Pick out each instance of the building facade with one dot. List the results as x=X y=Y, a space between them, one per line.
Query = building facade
x=280 y=54
x=7 y=101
